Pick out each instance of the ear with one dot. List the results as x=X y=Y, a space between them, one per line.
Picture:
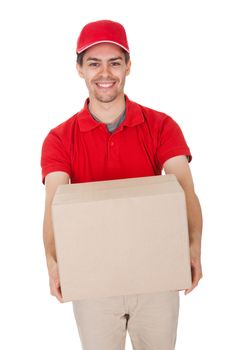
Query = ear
x=128 y=67
x=80 y=70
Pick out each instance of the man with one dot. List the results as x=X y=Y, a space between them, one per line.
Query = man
x=113 y=137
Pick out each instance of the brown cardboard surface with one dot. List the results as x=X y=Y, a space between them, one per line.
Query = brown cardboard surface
x=121 y=237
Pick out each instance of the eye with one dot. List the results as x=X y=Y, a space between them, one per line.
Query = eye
x=93 y=64
x=114 y=64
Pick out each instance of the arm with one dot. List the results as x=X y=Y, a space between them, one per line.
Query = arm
x=180 y=168
x=52 y=181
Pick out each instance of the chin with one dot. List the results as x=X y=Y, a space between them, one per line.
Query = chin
x=106 y=99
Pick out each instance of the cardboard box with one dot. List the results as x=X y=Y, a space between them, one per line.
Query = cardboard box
x=121 y=237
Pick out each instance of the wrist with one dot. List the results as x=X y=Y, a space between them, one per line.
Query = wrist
x=51 y=261
x=195 y=251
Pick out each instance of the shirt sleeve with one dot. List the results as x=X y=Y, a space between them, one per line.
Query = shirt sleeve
x=54 y=156
x=171 y=142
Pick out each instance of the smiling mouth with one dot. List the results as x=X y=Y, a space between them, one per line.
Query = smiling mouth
x=105 y=85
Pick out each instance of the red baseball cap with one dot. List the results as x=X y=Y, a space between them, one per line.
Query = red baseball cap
x=103 y=31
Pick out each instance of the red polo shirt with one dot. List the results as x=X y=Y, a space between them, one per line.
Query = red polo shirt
x=87 y=151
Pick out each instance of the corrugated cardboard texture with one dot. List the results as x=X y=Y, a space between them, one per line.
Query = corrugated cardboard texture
x=121 y=237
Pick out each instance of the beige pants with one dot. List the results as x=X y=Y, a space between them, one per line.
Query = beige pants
x=151 y=320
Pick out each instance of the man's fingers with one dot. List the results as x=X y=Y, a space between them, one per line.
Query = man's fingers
x=55 y=289
x=196 y=276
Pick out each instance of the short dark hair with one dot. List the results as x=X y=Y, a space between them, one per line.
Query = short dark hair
x=80 y=57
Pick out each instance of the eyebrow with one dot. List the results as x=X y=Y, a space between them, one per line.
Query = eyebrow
x=98 y=60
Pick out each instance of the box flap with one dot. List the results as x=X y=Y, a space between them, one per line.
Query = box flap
x=120 y=188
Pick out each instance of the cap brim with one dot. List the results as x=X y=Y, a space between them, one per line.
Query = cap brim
x=100 y=42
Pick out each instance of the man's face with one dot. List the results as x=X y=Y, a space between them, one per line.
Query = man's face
x=104 y=71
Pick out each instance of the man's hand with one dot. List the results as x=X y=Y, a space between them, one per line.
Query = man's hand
x=54 y=280
x=196 y=269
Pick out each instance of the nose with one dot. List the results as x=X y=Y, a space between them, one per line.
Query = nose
x=104 y=70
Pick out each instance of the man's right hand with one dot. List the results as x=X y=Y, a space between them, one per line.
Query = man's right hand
x=54 y=280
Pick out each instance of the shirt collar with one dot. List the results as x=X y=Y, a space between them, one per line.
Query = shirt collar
x=134 y=116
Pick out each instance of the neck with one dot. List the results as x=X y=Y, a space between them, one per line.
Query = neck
x=107 y=112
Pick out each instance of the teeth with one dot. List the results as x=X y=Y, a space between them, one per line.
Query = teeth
x=105 y=85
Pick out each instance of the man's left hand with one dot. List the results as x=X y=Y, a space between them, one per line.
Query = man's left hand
x=196 y=269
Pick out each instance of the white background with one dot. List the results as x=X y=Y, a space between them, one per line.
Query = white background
x=178 y=52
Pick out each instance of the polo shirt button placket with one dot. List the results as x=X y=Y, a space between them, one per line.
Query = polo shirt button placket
x=110 y=149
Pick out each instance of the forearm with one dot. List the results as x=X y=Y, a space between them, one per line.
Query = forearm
x=179 y=166
x=52 y=266
x=48 y=239
x=195 y=222
x=52 y=181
